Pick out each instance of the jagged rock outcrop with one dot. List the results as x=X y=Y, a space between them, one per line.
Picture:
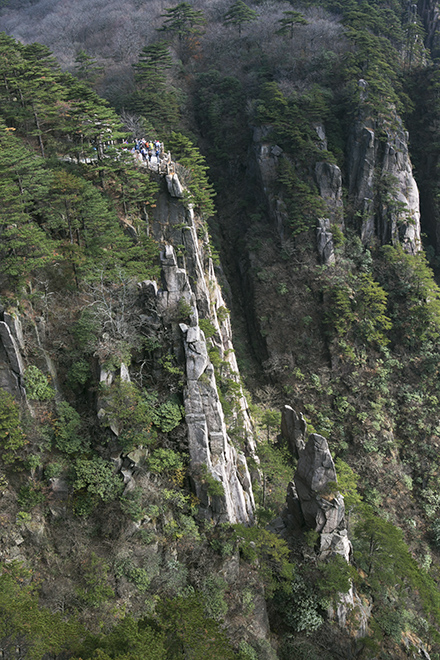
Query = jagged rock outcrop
x=382 y=187
x=266 y=156
x=189 y=279
x=212 y=456
x=313 y=501
x=329 y=181
x=293 y=430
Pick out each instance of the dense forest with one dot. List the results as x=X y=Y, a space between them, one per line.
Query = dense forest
x=219 y=365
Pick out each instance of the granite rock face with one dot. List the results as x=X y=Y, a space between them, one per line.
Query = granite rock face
x=314 y=503
x=322 y=510
x=212 y=455
x=382 y=188
x=12 y=365
x=329 y=181
x=190 y=278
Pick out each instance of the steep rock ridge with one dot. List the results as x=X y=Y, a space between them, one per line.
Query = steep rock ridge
x=381 y=184
x=211 y=454
x=189 y=291
x=191 y=278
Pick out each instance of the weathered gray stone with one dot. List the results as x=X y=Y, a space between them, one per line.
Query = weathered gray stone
x=11 y=348
x=198 y=439
x=127 y=475
x=324 y=240
x=174 y=186
x=315 y=467
x=329 y=180
x=124 y=373
x=59 y=487
x=276 y=151
x=106 y=377
x=293 y=430
x=394 y=217
x=14 y=324
x=336 y=543
x=149 y=288
x=313 y=502
x=208 y=442
x=196 y=353
x=138 y=456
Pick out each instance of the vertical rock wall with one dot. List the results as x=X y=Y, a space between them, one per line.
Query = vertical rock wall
x=382 y=188
x=190 y=277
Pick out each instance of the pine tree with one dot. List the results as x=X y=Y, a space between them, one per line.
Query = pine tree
x=23 y=244
x=290 y=20
x=200 y=191
x=182 y=20
x=152 y=98
x=151 y=66
x=87 y=69
x=239 y=14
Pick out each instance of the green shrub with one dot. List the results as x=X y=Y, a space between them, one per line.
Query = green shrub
x=85 y=331
x=31 y=495
x=68 y=430
x=98 y=478
x=54 y=469
x=138 y=576
x=207 y=327
x=184 y=310
x=79 y=374
x=95 y=590
x=269 y=552
x=134 y=413
x=12 y=438
x=168 y=416
x=37 y=384
x=336 y=576
x=213 y=590
x=246 y=652
x=164 y=461
x=214 y=486
x=131 y=505
x=222 y=314
x=301 y=611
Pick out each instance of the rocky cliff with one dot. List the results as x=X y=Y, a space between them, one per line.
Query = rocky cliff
x=381 y=184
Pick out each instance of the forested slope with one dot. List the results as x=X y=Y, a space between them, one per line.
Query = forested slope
x=130 y=461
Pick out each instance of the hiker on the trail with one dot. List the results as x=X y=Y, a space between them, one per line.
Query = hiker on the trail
x=144 y=153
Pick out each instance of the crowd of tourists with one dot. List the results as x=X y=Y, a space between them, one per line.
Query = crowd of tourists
x=149 y=148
